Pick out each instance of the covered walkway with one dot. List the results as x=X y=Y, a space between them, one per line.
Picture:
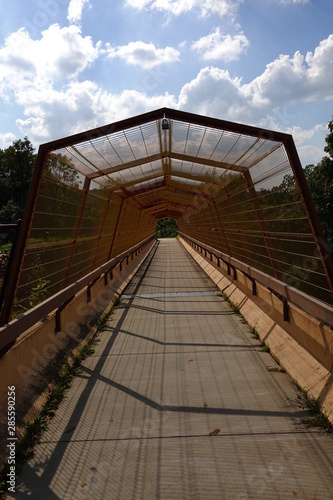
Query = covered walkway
x=179 y=402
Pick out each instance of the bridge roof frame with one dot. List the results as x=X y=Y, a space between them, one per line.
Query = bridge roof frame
x=177 y=166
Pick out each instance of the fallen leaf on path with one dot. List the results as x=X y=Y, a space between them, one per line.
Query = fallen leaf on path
x=215 y=432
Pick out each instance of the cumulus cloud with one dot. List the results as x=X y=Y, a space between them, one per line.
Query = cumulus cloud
x=42 y=76
x=142 y=54
x=298 y=78
x=213 y=92
x=303 y=136
x=219 y=8
x=75 y=9
x=285 y=81
x=61 y=53
x=81 y=106
x=224 y=47
x=292 y=2
x=6 y=140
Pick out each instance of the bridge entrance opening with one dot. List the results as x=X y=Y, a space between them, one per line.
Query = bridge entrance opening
x=238 y=190
x=167 y=228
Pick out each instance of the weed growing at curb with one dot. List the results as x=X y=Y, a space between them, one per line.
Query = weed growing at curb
x=265 y=348
x=103 y=320
x=116 y=303
x=254 y=333
x=319 y=418
x=233 y=306
x=35 y=429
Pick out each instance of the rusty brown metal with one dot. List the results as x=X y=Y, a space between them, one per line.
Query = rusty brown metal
x=23 y=236
x=6 y=227
x=317 y=308
x=235 y=218
x=221 y=226
x=193 y=171
x=104 y=217
x=76 y=230
x=12 y=330
x=262 y=224
x=305 y=194
x=115 y=230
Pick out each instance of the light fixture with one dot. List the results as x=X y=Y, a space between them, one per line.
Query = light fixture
x=165 y=124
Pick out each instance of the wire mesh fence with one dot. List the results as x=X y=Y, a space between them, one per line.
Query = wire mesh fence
x=233 y=187
x=77 y=227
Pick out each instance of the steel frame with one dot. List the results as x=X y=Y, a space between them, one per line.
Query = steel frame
x=180 y=201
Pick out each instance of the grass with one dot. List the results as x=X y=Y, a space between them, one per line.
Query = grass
x=6 y=246
x=233 y=306
x=254 y=333
x=319 y=419
x=253 y=330
x=265 y=348
x=35 y=429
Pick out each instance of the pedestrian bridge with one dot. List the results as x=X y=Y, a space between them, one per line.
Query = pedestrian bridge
x=180 y=399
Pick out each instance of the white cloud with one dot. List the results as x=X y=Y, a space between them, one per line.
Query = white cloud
x=142 y=54
x=81 y=106
x=287 y=80
x=6 y=140
x=292 y=2
x=218 y=46
x=214 y=93
x=41 y=76
x=61 y=53
x=310 y=154
x=75 y=9
x=302 y=136
x=177 y=7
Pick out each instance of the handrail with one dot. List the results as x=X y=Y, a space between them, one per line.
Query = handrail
x=13 y=329
x=320 y=310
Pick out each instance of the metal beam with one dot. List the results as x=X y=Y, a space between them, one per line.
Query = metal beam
x=310 y=210
x=125 y=166
x=23 y=235
x=207 y=162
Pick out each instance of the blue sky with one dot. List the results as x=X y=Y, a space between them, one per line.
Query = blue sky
x=70 y=65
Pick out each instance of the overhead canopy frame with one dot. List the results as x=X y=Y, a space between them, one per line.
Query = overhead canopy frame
x=238 y=188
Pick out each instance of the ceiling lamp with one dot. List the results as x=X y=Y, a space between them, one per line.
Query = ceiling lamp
x=165 y=124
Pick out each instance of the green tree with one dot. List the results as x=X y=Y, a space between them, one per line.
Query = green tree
x=320 y=181
x=16 y=168
x=166 y=228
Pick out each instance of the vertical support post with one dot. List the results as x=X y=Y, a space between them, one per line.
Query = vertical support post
x=106 y=211
x=231 y=208
x=76 y=229
x=221 y=227
x=262 y=224
x=9 y=266
x=116 y=229
x=23 y=235
x=310 y=210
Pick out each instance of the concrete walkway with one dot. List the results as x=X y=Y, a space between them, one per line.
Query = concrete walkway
x=179 y=402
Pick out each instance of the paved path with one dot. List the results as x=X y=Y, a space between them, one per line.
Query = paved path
x=174 y=367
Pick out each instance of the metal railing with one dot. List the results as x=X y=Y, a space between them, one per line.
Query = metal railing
x=9 y=259
x=12 y=330
x=284 y=292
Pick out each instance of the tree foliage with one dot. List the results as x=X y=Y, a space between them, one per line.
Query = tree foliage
x=320 y=181
x=16 y=168
x=166 y=228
